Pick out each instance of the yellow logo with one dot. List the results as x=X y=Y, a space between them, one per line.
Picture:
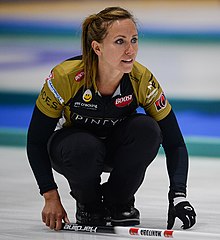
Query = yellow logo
x=87 y=96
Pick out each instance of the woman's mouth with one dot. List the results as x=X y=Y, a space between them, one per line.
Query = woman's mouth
x=128 y=61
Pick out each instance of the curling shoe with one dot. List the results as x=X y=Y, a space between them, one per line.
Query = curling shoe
x=124 y=215
x=90 y=214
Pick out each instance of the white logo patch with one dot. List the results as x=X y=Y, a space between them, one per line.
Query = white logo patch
x=87 y=95
x=54 y=91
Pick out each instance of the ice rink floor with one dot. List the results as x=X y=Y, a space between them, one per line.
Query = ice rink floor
x=21 y=205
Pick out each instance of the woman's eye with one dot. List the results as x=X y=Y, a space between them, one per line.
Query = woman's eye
x=134 y=40
x=119 y=41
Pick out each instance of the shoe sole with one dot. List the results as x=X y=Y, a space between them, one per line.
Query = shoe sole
x=125 y=222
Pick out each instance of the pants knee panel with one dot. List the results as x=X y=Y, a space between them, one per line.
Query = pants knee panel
x=77 y=147
x=143 y=127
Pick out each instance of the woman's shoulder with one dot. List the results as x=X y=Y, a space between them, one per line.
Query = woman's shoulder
x=139 y=71
x=70 y=66
x=69 y=74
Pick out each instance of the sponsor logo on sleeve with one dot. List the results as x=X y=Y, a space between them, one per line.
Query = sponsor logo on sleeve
x=51 y=76
x=53 y=89
x=161 y=102
x=49 y=102
x=152 y=90
x=79 y=76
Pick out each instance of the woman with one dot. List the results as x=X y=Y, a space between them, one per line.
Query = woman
x=91 y=100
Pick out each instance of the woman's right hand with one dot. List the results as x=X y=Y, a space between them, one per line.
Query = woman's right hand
x=53 y=212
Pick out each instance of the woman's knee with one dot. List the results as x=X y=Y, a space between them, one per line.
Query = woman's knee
x=81 y=143
x=80 y=147
x=145 y=128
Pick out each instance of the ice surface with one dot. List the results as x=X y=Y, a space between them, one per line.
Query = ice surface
x=21 y=204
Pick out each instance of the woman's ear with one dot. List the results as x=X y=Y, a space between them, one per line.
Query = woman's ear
x=96 y=47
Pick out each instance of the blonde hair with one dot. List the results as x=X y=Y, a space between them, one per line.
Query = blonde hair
x=95 y=27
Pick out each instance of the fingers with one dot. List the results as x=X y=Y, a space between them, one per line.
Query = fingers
x=53 y=213
x=59 y=221
x=58 y=224
x=49 y=220
x=188 y=221
x=66 y=219
x=182 y=209
x=54 y=221
x=170 y=222
x=171 y=216
x=186 y=213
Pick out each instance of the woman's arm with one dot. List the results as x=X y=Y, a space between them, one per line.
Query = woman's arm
x=40 y=129
x=176 y=153
x=177 y=166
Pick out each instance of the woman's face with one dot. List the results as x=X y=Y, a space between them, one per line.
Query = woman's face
x=118 y=50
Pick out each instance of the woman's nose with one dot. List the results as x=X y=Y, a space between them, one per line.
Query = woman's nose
x=130 y=49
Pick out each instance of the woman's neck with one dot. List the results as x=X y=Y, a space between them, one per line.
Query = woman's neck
x=108 y=81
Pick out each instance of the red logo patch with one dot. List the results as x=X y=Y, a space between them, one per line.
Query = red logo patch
x=123 y=101
x=133 y=231
x=51 y=76
x=79 y=76
x=161 y=102
x=168 y=233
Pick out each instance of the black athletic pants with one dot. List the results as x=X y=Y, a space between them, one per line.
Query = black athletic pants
x=81 y=156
